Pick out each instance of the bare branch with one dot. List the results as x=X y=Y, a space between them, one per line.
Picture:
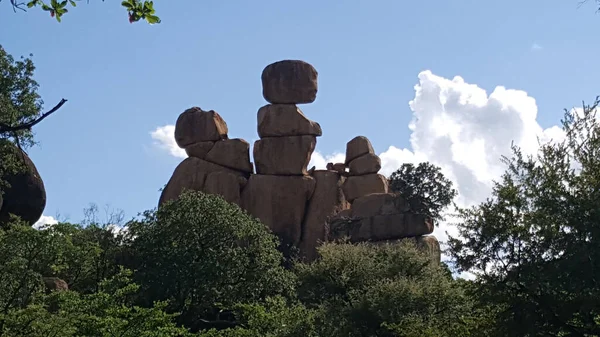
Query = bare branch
x=29 y=125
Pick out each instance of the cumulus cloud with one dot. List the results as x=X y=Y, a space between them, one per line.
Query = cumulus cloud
x=164 y=139
x=464 y=130
x=45 y=221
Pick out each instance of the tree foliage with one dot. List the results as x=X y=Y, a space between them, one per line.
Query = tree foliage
x=136 y=9
x=20 y=110
x=383 y=290
x=534 y=243
x=425 y=187
x=201 y=253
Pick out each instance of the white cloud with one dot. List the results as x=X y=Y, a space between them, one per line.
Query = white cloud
x=536 y=47
x=164 y=139
x=465 y=131
x=320 y=161
x=45 y=221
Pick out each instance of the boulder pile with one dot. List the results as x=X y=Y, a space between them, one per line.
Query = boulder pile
x=303 y=207
x=216 y=164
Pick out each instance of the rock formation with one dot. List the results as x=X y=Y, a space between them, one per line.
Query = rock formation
x=304 y=207
x=25 y=196
x=54 y=284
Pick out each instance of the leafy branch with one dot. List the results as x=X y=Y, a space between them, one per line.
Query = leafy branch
x=26 y=126
x=136 y=9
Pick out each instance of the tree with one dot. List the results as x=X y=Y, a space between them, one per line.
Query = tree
x=202 y=254
x=107 y=309
x=20 y=110
x=534 y=244
x=136 y=9
x=425 y=187
x=384 y=290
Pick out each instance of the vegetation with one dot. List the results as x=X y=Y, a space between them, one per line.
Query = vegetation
x=136 y=9
x=202 y=266
x=534 y=243
x=199 y=266
x=20 y=110
x=424 y=187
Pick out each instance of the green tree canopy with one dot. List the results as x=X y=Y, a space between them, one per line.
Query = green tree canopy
x=425 y=187
x=200 y=252
x=534 y=245
x=383 y=290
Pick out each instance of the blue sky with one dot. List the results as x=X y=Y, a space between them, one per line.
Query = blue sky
x=123 y=81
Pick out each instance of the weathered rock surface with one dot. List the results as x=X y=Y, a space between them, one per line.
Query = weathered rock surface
x=26 y=196
x=231 y=153
x=199 y=149
x=191 y=174
x=338 y=167
x=357 y=147
x=379 y=204
x=431 y=246
x=327 y=200
x=196 y=125
x=358 y=186
x=55 y=284
x=225 y=184
x=381 y=227
x=289 y=82
x=279 y=202
x=277 y=120
x=365 y=164
x=284 y=155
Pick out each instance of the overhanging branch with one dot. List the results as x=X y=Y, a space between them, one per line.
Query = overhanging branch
x=29 y=125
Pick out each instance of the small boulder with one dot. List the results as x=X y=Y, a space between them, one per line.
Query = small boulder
x=338 y=167
x=231 y=153
x=365 y=164
x=277 y=120
x=196 y=125
x=358 y=146
x=358 y=186
x=199 y=149
x=284 y=155
x=289 y=82
x=55 y=284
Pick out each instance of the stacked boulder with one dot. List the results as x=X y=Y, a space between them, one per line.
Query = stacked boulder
x=216 y=164
x=302 y=207
x=363 y=165
x=280 y=191
x=384 y=218
x=375 y=215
